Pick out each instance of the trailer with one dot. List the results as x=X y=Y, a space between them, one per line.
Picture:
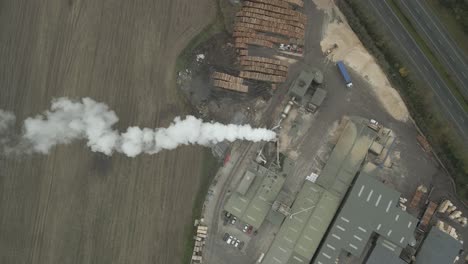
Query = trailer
x=345 y=74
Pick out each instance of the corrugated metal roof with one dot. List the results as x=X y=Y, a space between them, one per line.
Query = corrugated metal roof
x=438 y=247
x=381 y=253
x=245 y=182
x=301 y=84
x=346 y=158
x=253 y=207
x=370 y=207
x=315 y=206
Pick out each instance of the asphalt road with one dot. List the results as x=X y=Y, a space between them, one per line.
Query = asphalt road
x=450 y=105
x=440 y=42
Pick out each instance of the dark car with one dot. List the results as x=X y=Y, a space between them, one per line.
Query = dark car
x=225 y=237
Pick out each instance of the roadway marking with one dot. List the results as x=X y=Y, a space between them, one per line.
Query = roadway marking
x=424 y=65
x=340 y=228
x=378 y=200
x=335 y=236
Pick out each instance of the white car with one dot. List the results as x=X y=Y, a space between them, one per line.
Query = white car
x=237 y=243
x=229 y=240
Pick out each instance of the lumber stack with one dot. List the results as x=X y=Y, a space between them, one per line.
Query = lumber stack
x=226 y=81
x=265 y=23
x=262 y=77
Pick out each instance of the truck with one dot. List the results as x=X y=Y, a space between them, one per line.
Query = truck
x=345 y=74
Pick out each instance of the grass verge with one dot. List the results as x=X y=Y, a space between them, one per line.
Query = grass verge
x=210 y=164
x=429 y=54
x=208 y=170
x=449 y=21
x=446 y=143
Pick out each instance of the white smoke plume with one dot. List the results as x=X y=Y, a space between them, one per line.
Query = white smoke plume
x=87 y=119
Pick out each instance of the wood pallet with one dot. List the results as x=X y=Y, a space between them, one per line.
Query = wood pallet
x=243 y=52
x=231 y=86
x=264 y=65
x=261 y=22
x=269 y=29
x=274 y=9
x=243 y=13
x=296 y=18
x=264 y=60
x=259 y=36
x=262 y=77
x=226 y=77
x=264 y=70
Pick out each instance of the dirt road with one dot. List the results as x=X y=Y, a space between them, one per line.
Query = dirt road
x=75 y=206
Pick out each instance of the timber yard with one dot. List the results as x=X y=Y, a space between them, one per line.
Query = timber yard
x=343 y=183
x=232 y=132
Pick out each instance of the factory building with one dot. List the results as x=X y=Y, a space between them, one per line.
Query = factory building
x=371 y=209
x=317 y=202
x=255 y=194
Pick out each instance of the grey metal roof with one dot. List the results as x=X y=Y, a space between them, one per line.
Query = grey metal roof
x=381 y=253
x=318 y=97
x=315 y=205
x=245 y=182
x=253 y=207
x=346 y=158
x=301 y=233
x=370 y=207
x=438 y=247
x=301 y=84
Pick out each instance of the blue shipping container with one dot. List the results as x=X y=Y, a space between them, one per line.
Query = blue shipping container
x=344 y=73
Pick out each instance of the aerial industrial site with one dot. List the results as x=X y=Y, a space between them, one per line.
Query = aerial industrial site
x=233 y=131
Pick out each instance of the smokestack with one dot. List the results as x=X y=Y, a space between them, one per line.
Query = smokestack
x=68 y=120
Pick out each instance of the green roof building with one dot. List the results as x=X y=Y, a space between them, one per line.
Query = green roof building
x=255 y=195
x=316 y=203
x=371 y=207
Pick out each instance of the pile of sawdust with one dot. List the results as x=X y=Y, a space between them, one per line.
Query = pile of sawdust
x=352 y=52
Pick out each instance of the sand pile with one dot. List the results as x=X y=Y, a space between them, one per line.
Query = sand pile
x=353 y=53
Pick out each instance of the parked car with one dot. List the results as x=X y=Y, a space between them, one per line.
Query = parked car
x=249 y=230
x=225 y=237
x=246 y=227
x=233 y=220
x=237 y=243
x=227 y=214
x=233 y=241
x=230 y=239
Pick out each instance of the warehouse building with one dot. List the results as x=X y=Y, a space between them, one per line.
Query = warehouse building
x=255 y=195
x=371 y=208
x=317 y=202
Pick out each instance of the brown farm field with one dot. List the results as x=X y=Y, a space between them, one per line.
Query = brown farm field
x=75 y=206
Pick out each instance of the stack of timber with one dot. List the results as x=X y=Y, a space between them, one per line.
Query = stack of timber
x=243 y=52
x=274 y=9
x=246 y=34
x=264 y=60
x=262 y=77
x=298 y=17
x=229 y=82
x=265 y=65
x=293 y=23
x=263 y=69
